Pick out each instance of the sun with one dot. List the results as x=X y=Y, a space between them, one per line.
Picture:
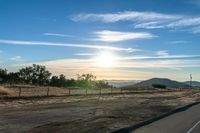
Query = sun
x=105 y=60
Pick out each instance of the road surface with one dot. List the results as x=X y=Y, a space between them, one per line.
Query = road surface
x=187 y=121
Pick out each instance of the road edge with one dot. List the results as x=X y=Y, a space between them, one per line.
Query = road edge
x=147 y=122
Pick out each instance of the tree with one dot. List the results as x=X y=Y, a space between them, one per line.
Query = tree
x=70 y=83
x=36 y=75
x=54 y=81
x=3 y=75
x=13 y=78
x=102 y=84
x=62 y=80
x=39 y=75
x=86 y=80
x=26 y=74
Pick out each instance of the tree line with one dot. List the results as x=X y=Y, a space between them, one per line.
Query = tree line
x=39 y=75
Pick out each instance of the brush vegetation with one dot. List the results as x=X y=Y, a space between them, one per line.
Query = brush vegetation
x=39 y=75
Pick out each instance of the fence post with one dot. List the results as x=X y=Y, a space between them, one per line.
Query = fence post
x=100 y=91
x=86 y=91
x=69 y=91
x=48 y=91
x=20 y=90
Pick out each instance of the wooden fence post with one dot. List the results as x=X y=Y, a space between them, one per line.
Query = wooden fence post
x=20 y=90
x=48 y=91
x=100 y=91
x=69 y=91
x=86 y=91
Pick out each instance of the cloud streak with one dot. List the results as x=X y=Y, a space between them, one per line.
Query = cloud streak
x=124 y=16
x=150 y=25
x=145 y=20
x=179 y=42
x=85 y=54
x=57 y=35
x=116 y=36
x=159 y=57
x=16 y=58
x=91 y=46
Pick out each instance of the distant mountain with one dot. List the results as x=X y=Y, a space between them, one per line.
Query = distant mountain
x=121 y=83
x=169 y=83
x=194 y=83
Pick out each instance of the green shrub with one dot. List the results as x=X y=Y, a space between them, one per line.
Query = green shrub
x=161 y=86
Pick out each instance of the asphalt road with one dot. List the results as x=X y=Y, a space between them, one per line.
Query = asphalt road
x=187 y=121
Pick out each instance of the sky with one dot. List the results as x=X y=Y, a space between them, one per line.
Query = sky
x=112 y=39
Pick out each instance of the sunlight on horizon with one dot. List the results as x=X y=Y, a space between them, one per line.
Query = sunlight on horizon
x=105 y=60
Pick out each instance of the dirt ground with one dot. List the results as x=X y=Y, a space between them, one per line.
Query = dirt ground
x=83 y=114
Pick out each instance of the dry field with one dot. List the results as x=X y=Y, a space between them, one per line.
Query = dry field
x=92 y=113
x=5 y=91
x=28 y=91
x=31 y=91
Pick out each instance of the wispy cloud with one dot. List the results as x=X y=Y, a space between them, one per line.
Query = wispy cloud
x=178 y=42
x=162 y=53
x=91 y=46
x=167 y=64
x=16 y=58
x=124 y=16
x=146 y=20
x=150 y=25
x=186 y=21
x=163 y=61
x=85 y=54
x=116 y=36
x=158 y=55
x=57 y=35
x=161 y=56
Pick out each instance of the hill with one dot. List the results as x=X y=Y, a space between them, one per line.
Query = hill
x=194 y=83
x=121 y=83
x=164 y=81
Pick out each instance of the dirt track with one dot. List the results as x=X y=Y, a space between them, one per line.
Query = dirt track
x=87 y=114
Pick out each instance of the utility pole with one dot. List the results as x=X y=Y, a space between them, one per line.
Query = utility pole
x=190 y=81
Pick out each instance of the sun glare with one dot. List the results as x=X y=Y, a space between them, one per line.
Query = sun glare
x=105 y=60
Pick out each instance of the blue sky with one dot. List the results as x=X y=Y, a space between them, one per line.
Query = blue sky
x=137 y=39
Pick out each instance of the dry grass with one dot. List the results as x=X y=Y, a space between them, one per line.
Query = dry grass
x=5 y=91
x=30 y=91
x=92 y=113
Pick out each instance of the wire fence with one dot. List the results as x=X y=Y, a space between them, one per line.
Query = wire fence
x=28 y=91
x=32 y=91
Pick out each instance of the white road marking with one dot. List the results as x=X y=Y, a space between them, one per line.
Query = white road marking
x=193 y=127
